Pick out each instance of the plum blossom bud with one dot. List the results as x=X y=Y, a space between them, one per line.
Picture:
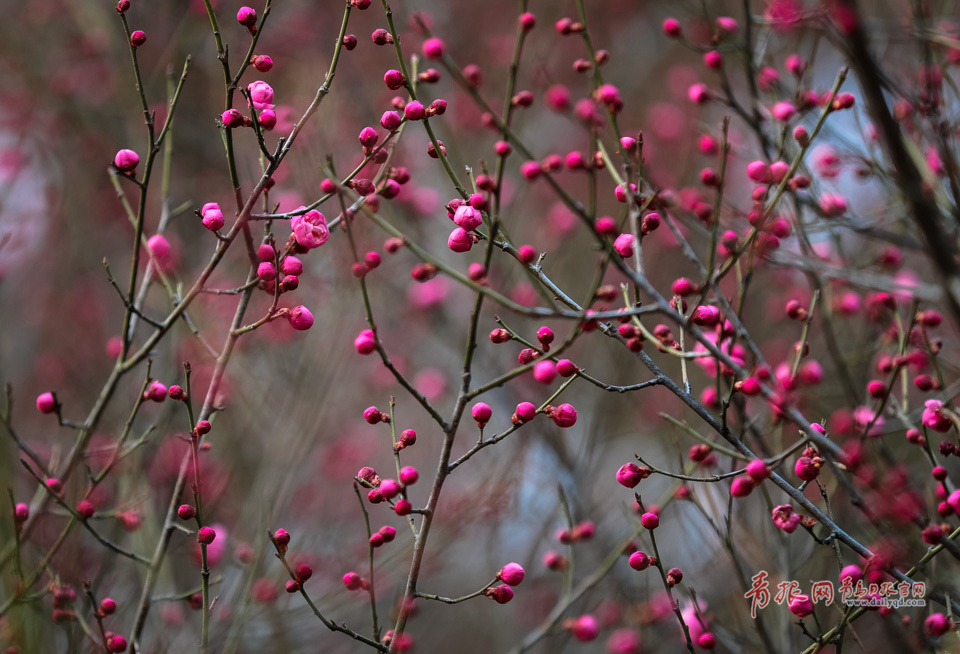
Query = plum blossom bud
x=231 y=118
x=525 y=412
x=414 y=110
x=511 y=574
x=206 y=535
x=650 y=520
x=46 y=403
x=758 y=470
x=186 y=512
x=390 y=120
x=261 y=94
x=937 y=625
x=467 y=217
x=21 y=513
x=500 y=594
x=138 y=38
x=741 y=487
x=369 y=137
x=409 y=475
x=585 y=628
x=247 y=16
x=563 y=416
x=567 y=368
x=640 y=561
x=300 y=317
x=545 y=371
x=801 y=605
x=263 y=63
x=460 y=240
x=433 y=48
x=126 y=161
x=85 y=509
x=352 y=581
x=671 y=27
x=624 y=245
x=481 y=414
x=629 y=475
x=365 y=342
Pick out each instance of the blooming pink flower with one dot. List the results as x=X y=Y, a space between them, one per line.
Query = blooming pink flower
x=933 y=417
x=310 y=229
x=785 y=519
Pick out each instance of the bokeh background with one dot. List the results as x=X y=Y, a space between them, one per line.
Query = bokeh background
x=291 y=435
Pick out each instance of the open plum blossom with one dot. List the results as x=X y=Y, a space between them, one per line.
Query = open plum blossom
x=310 y=229
x=785 y=519
x=933 y=417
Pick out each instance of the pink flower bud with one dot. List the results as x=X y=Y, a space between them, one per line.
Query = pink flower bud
x=231 y=118
x=389 y=488
x=833 y=205
x=467 y=217
x=460 y=240
x=292 y=586
x=138 y=38
x=394 y=80
x=433 y=48
x=525 y=412
x=698 y=93
x=390 y=120
x=806 y=469
x=126 y=161
x=402 y=507
x=414 y=110
x=545 y=371
x=85 y=509
x=186 y=512
x=624 y=245
x=365 y=342
x=247 y=16
x=511 y=574
x=671 y=27
x=291 y=265
x=639 y=561
x=300 y=318
x=212 y=219
x=801 y=605
x=564 y=415
x=500 y=594
x=758 y=470
x=21 y=513
x=261 y=94
x=629 y=475
x=937 y=625
x=606 y=226
x=481 y=414
x=369 y=137
x=409 y=475
x=352 y=581
x=263 y=63
x=741 y=486
x=713 y=60
x=759 y=172
x=527 y=254
x=268 y=119
x=585 y=628
x=206 y=535
x=783 y=111
x=108 y=606
x=266 y=271
x=567 y=368
x=46 y=403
